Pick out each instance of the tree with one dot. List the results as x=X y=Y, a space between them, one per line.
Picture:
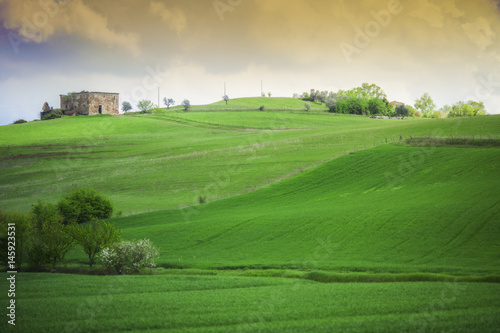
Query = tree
x=307 y=106
x=168 y=102
x=226 y=98
x=186 y=104
x=331 y=104
x=479 y=108
x=426 y=105
x=145 y=105
x=366 y=91
x=83 y=205
x=469 y=109
x=402 y=111
x=23 y=226
x=50 y=239
x=94 y=236
x=269 y=94
x=377 y=106
x=372 y=91
x=353 y=105
x=322 y=96
x=313 y=95
x=126 y=106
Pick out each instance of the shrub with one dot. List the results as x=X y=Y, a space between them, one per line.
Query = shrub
x=262 y=108
x=307 y=106
x=52 y=115
x=128 y=256
x=20 y=121
x=418 y=114
x=83 y=205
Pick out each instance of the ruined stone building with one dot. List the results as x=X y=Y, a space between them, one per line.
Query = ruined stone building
x=90 y=103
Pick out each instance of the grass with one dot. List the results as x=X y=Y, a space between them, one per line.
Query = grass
x=238 y=304
x=156 y=162
x=370 y=211
x=254 y=103
x=293 y=204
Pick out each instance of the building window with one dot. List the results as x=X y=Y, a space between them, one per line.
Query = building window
x=100 y=109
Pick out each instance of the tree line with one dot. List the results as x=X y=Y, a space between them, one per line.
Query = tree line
x=49 y=231
x=370 y=99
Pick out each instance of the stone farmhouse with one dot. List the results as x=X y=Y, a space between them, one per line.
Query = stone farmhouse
x=90 y=103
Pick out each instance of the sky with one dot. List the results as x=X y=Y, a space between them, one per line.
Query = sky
x=188 y=48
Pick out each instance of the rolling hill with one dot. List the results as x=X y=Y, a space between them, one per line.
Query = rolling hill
x=293 y=199
x=385 y=209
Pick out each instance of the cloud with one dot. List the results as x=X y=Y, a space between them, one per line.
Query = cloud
x=479 y=31
x=175 y=19
x=39 y=21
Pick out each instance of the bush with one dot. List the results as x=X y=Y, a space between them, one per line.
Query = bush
x=20 y=121
x=262 y=108
x=52 y=115
x=128 y=257
x=418 y=114
x=83 y=205
x=307 y=106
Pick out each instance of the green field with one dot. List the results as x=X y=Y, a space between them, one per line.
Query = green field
x=314 y=222
x=157 y=162
x=68 y=303
x=389 y=208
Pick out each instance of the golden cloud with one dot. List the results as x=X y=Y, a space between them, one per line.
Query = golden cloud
x=175 y=19
x=37 y=21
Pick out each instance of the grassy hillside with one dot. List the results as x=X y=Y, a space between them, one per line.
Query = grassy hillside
x=156 y=162
x=68 y=303
x=386 y=209
x=254 y=103
x=300 y=197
